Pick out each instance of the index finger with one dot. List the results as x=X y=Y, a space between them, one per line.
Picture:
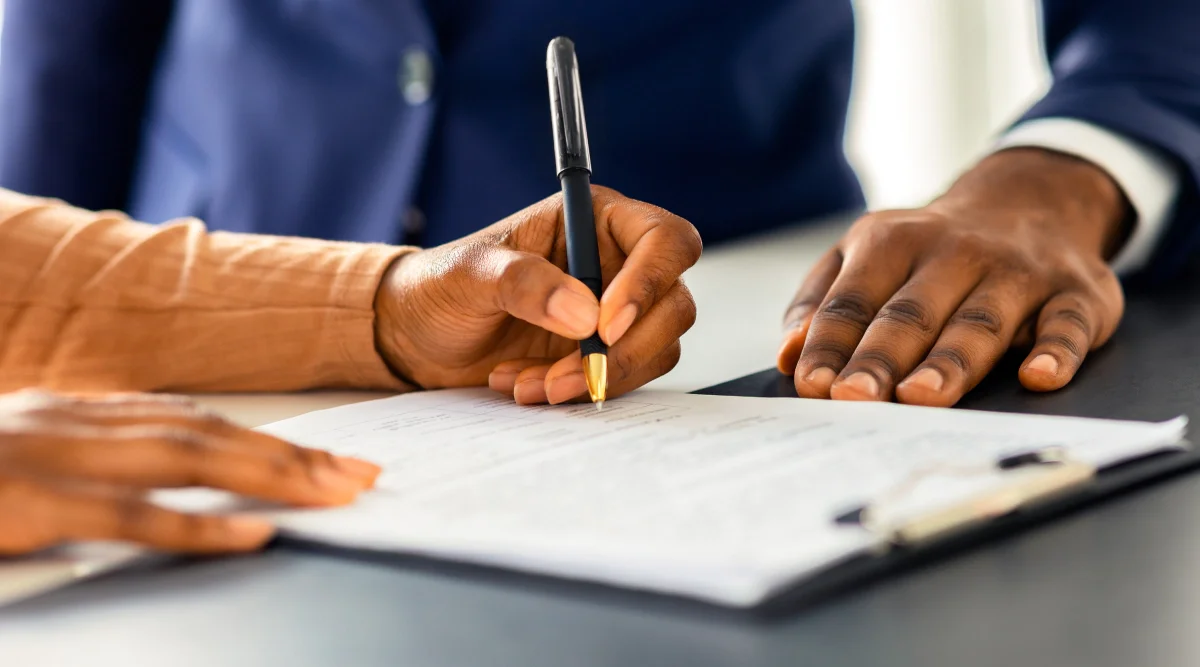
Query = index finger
x=659 y=246
x=157 y=456
x=64 y=515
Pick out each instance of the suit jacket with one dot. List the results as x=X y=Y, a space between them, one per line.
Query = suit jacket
x=410 y=121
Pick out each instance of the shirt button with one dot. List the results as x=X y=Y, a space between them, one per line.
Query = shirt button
x=416 y=76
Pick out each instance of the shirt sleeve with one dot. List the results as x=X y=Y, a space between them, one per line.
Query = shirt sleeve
x=97 y=302
x=1149 y=180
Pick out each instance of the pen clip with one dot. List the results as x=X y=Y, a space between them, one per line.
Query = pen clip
x=1012 y=483
x=566 y=107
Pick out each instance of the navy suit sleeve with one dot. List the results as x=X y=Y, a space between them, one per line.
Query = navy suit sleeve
x=1133 y=66
x=74 y=78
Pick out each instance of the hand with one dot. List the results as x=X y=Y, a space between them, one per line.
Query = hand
x=921 y=304
x=498 y=307
x=77 y=469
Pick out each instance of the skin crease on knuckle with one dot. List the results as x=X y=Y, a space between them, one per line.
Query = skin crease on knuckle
x=850 y=307
x=909 y=314
x=878 y=362
x=951 y=359
x=132 y=516
x=825 y=353
x=194 y=449
x=1064 y=342
x=981 y=319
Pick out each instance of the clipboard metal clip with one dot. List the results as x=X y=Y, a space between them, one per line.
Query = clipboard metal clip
x=935 y=502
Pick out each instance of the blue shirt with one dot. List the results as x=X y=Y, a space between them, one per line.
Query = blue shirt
x=403 y=121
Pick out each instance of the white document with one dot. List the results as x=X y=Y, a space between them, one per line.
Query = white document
x=717 y=498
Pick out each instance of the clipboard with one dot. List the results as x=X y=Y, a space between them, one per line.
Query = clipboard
x=1047 y=485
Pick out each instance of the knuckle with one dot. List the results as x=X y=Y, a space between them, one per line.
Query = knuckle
x=1073 y=316
x=282 y=466
x=684 y=305
x=624 y=365
x=881 y=363
x=200 y=528
x=827 y=353
x=673 y=355
x=800 y=307
x=982 y=318
x=310 y=460
x=185 y=441
x=693 y=243
x=650 y=289
x=194 y=449
x=954 y=356
x=1063 y=341
x=908 y=313
x=852 y=308
x=516 y=273
x=133 y=515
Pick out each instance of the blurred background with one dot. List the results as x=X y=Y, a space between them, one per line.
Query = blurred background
x=935 y=82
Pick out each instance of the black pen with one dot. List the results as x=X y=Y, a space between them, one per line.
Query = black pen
x=574 y=163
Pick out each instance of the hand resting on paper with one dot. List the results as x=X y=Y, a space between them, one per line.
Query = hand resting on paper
x=498 y=307
x=78 y=469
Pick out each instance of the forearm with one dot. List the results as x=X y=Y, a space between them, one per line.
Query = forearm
x=94 y=301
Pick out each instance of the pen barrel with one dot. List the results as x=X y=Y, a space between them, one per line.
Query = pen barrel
x=583 y=253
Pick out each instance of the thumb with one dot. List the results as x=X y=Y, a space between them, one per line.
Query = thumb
x=532 y=289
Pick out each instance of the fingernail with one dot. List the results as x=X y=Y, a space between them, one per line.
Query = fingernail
x=859 y=386
x=620 y=323
x=566 y=387
x=821 y=379
x=1044 y=363
x=502 y=381
x=364 y=470
x=337 y=484
x=927 y=379
x=530 y=391
x=577 y=312
x=249 y=528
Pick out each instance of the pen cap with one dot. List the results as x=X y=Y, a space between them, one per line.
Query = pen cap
x=566 y=107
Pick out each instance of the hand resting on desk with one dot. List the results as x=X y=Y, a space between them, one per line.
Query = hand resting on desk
x=919 y=305
x=78 y=468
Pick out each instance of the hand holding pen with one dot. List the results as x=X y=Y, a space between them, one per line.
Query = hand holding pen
x=499 y=307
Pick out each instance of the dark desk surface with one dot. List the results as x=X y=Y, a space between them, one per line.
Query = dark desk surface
x=1116 y=585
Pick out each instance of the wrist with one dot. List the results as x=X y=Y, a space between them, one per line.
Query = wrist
x=390 y=312
x=1050 y=188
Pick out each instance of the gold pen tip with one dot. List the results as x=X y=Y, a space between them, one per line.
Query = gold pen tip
x=595 y=373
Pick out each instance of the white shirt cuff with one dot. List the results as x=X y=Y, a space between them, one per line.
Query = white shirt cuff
x=1150 y=181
